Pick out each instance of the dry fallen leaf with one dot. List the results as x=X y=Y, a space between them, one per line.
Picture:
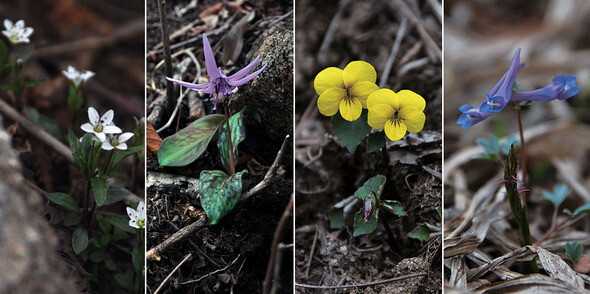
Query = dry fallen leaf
x=153 y=140
x=211 y=10
x=583 y=265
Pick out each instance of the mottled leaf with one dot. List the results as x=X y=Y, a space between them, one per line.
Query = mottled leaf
x=79 y=240
x=238 y=134
x=351 y=133
x=374 y=184
x=362 y=226
x=189 y=143
x=219 y=193
x=394 y=207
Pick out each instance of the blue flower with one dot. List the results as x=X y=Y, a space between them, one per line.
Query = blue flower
x=495 y=100
x=563 y=87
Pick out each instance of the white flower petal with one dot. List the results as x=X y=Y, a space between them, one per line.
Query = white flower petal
x=133 y=223
x=141 y=210
x=124 y=137
x=28 y=32
x=106 y=145
x=7 y=24
x=132 y=213
x=107 y=117
x=93 y=116
x=101 y=136
x=87 y=128
x=20 y=24
x=112 y=129
x=122 y=146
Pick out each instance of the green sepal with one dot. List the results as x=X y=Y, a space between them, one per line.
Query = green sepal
x=219 y=193
x=190 y=143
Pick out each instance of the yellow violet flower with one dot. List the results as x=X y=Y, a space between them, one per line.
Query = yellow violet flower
x=345 y=90
x=396 y=112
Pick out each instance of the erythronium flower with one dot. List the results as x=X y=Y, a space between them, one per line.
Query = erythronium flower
x=563 y=87
x=396 y=112
x=137 y=217
x=17 y=33
x=220 y=83
x=116 y=141
x=77 y=77
x=495 y=100
x=99 y=126
x=345 y=90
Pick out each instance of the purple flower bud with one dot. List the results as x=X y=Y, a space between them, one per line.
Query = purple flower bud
x=368 y=207
x=221 y=84
x=563 y=87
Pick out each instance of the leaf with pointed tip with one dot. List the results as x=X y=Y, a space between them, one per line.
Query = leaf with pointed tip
x=351 y=133
x=421 y=232
x=238 y=134
x=374 y=184
x=219 y=193
x=99 y=187
x=64 y=200
x=394 y=207
x=189 y=143
x=79 y=240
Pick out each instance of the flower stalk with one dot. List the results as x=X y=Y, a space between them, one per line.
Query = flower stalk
x=522 y=151
x=232 y=166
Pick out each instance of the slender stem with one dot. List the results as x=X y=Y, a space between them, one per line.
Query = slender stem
x=166 y=42
x=232 y=168
x=106 y=166
x=522 y=154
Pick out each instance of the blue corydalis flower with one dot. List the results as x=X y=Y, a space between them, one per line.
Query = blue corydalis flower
x=495 y=100
x=563 y=87
x=220 y=83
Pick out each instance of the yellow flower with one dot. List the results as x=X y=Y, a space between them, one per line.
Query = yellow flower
x=396 y=112
x=345 y=90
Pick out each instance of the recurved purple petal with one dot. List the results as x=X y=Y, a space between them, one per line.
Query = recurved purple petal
x=212 y=69
x=197 y=87
x=246 y=79
x=244 y=71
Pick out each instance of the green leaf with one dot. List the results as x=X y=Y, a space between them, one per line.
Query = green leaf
x=351 y=133
x=97 y=256
x=336 y=217
x=119 y=222
x=361 y=226
x=44 y=122
x=189 y=143
x=137 y=258
x=560 y=192
x=115 y=195
x=574 y=250
x=238 y=134
x=374 y=184
x=582 y=209
x=375 y=141
x=219 y=193
x=125 y=280
x=421 y=232
x=110 y=264
x=64 y=200
x=72 y=218
x=394 y=207
x=120 y=155
x=34 y=83
x=99 y=186
x=79 y=240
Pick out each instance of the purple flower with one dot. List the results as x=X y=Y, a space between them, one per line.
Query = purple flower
x=495 y=100
x=220 y=83
x=563 y=87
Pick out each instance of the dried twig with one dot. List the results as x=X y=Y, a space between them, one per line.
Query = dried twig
x=331 y=29
x=172 y=272
x=275 y=242
x=213 y=272
x=361 y=285
x=434 y=50
x=166 y=42
x=401 y=32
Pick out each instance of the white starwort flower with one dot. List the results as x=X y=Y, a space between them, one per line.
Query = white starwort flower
x=116 y=141
x=100 y=126
x=17 y=33
x=77 y=77
x=137 y=217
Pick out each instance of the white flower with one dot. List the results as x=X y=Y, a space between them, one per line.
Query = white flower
x=137 y=217
x=77 y=77
x=116 y=141
x=100 y=126
x=17 y=33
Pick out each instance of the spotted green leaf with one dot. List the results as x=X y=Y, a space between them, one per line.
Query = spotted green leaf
x=189 y=143
x=238 y=134
x=219 y=193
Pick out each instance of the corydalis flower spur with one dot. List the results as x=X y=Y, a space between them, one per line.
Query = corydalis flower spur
x=220 y=83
